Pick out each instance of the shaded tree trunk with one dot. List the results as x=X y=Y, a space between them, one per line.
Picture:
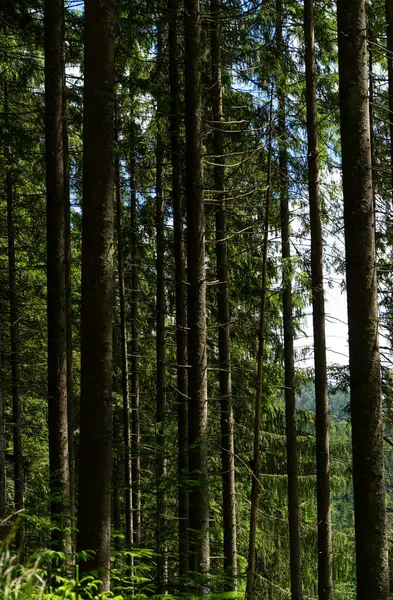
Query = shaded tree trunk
x=124 y=368
x=95 y=467
x=135 y=425
x=14 y=332
x=68 y=304
x=289 y=362
x=325 y=574
x=196 y=297
x=364 y=360
x=256 y=464
x=224 y=344
x=389 y=53
x=56 y=307
x=180 y=277
x=161 y=546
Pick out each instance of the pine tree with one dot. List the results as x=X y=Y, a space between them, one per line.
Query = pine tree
x=95 y=466
x=57 y=328
x=180 y=283
x=325 y=575
x=224 y=350
x=364 y=362
x=197 y=359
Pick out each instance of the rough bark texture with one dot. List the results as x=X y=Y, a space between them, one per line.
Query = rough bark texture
x=289 y=367
x=325 y=574
x=14 y=333
x=124 y=368
x=389 y=48
x=256 y=464
x=56 y=299
x=364 y=361
x=95 y=473
x=197 y=380
x=135 y=423
x=68 y=301
x=180 y=277
x=161 y=545
x=224 y=344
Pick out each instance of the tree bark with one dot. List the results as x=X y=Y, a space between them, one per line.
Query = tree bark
x=180 y=278
x=224 y=344
x=124 y=368
x=56 y=303
x=256 y=464
x=364 y=360
x=289 y=361
x=68 y=304
x=197 y=379
x=14 y=332
x=135 y=426
x=325 y=574
x=389 y=53
x=161 y=546
x=95 y=470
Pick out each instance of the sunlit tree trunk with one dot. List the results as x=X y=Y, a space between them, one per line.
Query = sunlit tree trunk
x=196 y=295
x=135 y=421
x=224 y=345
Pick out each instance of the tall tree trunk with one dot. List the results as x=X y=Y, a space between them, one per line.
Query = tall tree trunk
x=161 y=547
x=68 y=304
x=224 y=344
x=135 y=426
x=14 y=332
x=325 y=574
x=56 y=308
x=256 y=464
x=95 y=470
x=180 y=277
x=389 y=53
x=124 y=367
x=197 y=380
x=364 y=361
x=289 y=362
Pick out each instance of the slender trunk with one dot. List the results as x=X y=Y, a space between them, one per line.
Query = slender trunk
x=289 y=369
x=389 y=53
x=224 y=344
x=255 y=486
x=364 y=360
x=325 y=574
x=2 y=446
x=95 y=469
x=14 y=332
x=180 y=277
x=124 y=367
x=162 y=565
x=68 y=303
x=135 y=434
x=56 y=307
x=197 y=380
